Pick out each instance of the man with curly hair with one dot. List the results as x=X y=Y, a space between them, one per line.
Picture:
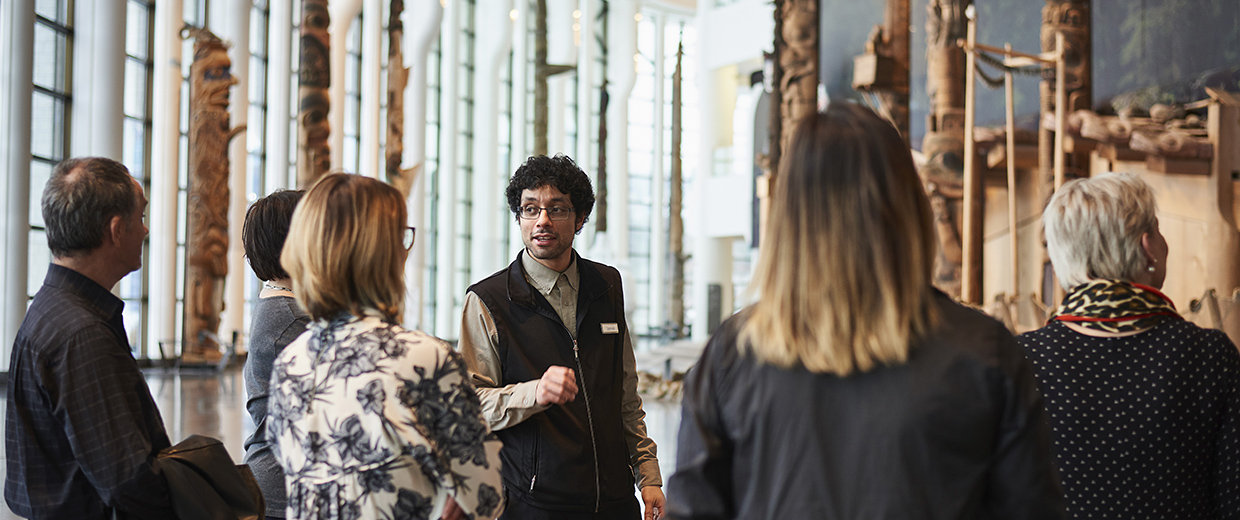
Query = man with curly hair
x=548 y=348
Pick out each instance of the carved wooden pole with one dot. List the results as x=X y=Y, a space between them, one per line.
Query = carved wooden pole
x=542 y=72
x=676 y=224
x=896 y=40
x=971 y=272
x=794 y=83
x=943 y=144
x=208 y=195
x=1072 y=19
x=313 y=80
x=398 y=77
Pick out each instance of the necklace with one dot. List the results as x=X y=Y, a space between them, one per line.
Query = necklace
x=276 y=287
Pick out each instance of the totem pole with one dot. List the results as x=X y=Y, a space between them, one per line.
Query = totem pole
x=542 y=72
x=398 y=77
x=798 y=61
x=943 y=144
x=600 y=199
x=884 y=67
x=676 y=224
x=1072 y=18
x=207 y=199
x=313 y=80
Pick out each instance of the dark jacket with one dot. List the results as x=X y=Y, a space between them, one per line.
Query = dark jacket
x=957 y=432
x=570 y=457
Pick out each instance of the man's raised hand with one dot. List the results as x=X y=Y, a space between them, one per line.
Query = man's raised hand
x=558 y=385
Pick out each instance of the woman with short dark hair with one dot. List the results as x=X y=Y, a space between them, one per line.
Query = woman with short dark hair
x=1144 y=406
x=275 y=322
x=852 y=388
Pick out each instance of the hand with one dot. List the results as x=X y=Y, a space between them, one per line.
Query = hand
x=452 y=511
x=557 y=386
x=653 y=497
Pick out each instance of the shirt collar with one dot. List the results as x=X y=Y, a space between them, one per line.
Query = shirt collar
x=94 y=294
x=543 y=278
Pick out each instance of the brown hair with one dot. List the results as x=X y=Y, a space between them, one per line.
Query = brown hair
x=843 y=276
x=345 y=248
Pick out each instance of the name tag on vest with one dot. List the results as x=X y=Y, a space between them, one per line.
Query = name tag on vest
x=611 y=328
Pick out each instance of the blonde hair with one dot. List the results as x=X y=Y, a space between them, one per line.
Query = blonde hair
x=1094 y=227
x=845 y=265
x=345 y=250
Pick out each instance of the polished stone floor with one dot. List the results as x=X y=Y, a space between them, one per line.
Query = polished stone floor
x=213 y=404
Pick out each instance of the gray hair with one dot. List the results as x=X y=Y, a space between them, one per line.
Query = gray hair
x=1094 y=228
x=79 y=201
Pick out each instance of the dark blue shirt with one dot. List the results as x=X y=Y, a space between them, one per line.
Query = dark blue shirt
x=81 y=430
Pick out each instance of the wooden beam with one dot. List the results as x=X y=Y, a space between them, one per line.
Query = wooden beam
x=971 y=268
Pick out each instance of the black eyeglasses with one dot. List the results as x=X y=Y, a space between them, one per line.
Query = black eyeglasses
x=554 y=212
x=410 y=233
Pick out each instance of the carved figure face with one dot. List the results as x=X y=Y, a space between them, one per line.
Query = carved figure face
x=216 y=77
x=799 y=29
x=317 y=127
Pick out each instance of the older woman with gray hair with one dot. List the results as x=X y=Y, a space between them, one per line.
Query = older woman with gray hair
x=1144 y=406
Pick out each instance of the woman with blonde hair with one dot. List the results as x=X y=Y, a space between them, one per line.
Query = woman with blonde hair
x=1144 y=406
x=371 y=420
x=851 y=388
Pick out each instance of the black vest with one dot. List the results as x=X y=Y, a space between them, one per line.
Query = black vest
x=570 y=457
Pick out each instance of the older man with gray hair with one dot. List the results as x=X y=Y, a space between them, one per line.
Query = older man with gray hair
x=82 y=430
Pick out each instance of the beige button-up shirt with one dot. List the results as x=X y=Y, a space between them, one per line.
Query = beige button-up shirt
x=507 y=406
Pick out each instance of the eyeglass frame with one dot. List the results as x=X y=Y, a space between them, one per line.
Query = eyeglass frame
x=412 y=234
x=521 y=212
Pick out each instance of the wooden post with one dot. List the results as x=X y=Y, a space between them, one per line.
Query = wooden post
x=314 y=102
x=896 y=36
x=971 y=272
x=1223 y=125
x=206 y=245
x=1061 y=110
x=943 y=143
x=542 y=72
x=676 y=224
x=1010 y=104
x=398 y=77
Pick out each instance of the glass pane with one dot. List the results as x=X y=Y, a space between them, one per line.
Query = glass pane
x=51 y=9
x=137 y=30
x=258 y=32
x=46 y=124
x=133 y=323
x=255 y=129
x=135 y=88
x=49 y=61
x=39 y=173
x=258 y=81
x=134 y=147
x=39 y=256
x=131 y=286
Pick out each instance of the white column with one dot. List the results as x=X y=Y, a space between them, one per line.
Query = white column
x=99 y=74
x=422 y=21
x=342 y=12
x=490 y=209
x=279 y=82
x=446 y=321
x=232 y=18
x=16 y=88
x=709 y=252
x=660 y=291
x=587 y=98
x=372 y=90
x=165 y=155
x=621 y=64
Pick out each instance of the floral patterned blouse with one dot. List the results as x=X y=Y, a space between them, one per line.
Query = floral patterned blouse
x=374 y=421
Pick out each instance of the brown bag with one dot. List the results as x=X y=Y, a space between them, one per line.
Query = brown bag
x=206 y=485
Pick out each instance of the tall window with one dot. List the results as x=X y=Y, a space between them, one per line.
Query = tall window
x=256 y=129
x=49 y=128
x=642 y=133
x=136 y=153
x=352 y=97
x=464 y=157
x=430 y=170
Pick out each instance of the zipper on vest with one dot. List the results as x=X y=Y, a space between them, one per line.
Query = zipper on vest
x=532 y=482
x=598 y=490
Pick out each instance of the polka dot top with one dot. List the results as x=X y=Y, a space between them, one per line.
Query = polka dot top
x=1143 y=426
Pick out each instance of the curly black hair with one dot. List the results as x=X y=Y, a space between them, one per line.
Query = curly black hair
x=560 y=172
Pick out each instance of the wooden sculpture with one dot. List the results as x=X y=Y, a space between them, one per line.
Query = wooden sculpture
x=676 y=224
x=207 y=227
x=398 y=77
x=943 y=144
x=884 y=67
x=797 y=49
x=313 y=80
x=542 y=72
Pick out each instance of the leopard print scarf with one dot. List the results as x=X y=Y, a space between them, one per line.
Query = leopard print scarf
x=1115 y=306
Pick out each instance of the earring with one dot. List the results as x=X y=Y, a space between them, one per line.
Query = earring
x=1151 y=268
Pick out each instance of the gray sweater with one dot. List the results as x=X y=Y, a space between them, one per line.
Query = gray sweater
x=277 y=321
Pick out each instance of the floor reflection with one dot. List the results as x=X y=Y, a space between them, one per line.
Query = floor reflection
x=213 y=404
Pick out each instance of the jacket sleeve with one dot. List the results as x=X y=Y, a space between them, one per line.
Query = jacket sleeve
x=1227 y=478
x=1024 y=483
x=701 y=487
x=643 y=453
x=470 y=448
x=502 y=406
x=98 y=394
